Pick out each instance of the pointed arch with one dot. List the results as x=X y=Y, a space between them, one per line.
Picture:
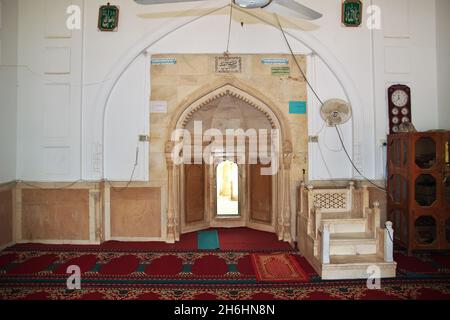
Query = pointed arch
x=234 y=88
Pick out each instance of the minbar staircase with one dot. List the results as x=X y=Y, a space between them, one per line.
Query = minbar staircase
x=340 y=235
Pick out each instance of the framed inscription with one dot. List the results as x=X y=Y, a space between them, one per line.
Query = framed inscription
x=108 y=18
x=228 y=64
x=352 y=13
x=281 y=71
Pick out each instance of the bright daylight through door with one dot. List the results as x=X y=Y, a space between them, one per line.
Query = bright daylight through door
x=227 y=189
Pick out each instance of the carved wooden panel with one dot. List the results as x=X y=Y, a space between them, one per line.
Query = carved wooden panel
x=6 y=217
x=260 y=195
x=194 y=193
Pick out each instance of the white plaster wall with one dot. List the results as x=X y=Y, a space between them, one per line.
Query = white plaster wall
x=50 y=92
x=404 y=52
x=97 y=59
x=8 y=89
x=126 y=118
x=443 y=61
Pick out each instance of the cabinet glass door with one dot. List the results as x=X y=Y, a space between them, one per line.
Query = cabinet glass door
x=425 y=230
x=425 y=153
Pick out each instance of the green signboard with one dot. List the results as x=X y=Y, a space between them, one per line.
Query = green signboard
x=108 y=18
x=352 y=13
x=281 y=71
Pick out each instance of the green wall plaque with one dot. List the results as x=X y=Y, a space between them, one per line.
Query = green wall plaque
x=108 y=18
x=352 y=13
x=281 y=71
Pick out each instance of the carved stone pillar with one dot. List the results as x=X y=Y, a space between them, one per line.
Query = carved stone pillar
x=287 y=161
x=176 y=204
x=171 y=223
x=280 y=206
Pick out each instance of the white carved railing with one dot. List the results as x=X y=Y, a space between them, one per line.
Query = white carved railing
x=373 y=218
x=389 y=242
x=324 y=243
x=386 y=243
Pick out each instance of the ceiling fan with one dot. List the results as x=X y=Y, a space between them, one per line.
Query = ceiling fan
x=281 y=7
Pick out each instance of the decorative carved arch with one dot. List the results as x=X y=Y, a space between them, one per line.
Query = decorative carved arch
x=237 y=89
x=281 y=182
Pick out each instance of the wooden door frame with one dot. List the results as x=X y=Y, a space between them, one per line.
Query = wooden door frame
x=445 y=212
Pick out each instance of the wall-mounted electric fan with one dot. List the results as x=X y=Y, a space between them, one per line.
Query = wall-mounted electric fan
x=280 y=7
x=336 y=112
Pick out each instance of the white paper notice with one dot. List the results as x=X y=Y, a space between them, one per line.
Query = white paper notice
x=158 y=106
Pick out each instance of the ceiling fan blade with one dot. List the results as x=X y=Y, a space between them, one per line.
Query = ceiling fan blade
x=162 y=1
x=292 y=8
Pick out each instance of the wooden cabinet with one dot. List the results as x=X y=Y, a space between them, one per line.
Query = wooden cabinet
x=419 y=189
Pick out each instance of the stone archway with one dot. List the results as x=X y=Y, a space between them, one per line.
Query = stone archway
x=281 y=181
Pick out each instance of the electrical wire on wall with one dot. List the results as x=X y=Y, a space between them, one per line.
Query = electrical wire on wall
x=230 y=23
x=136 y=164
x=34 y=186
x=321 y=103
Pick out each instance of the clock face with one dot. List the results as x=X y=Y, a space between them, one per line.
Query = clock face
x=400 y=113
x=400 y=98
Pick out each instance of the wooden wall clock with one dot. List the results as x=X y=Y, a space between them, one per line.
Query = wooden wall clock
x=399 y=106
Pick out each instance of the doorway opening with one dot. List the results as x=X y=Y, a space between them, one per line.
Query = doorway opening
x=227 y=185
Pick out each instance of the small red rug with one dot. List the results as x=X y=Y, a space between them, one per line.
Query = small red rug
x=281 y=267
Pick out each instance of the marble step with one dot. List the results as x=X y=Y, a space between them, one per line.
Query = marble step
x=349 y=225
x=356 y=267
x=355 y=243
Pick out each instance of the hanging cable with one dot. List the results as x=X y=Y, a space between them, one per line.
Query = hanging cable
x=353 y=164
x=68 y=186
x=136 y=163
x=321 y=103
x=229 y=28
x=296 y=61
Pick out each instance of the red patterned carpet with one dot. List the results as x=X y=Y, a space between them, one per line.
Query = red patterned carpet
x=152 y=271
